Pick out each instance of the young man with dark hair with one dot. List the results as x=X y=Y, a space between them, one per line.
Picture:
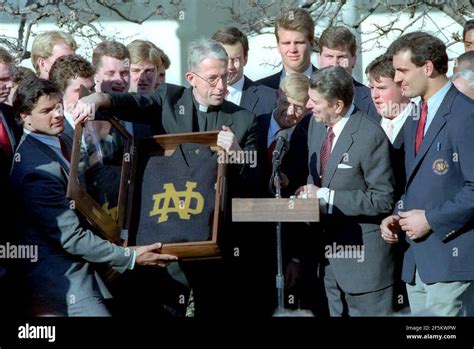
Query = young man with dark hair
x=337 y=46
x=435 y=214
x=69 y=73
x=63 y=281
x=244 y=92
x=394 y=107
x=294 y=32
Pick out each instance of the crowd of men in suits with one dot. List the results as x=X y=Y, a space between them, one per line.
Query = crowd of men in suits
x=390 y=165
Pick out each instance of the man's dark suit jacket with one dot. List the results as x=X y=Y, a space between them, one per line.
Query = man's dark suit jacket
x=294 y=164
x=359 y=170
x=258 y=99
x=170 y=110
x=440 y=180
x=273 y=81
x=398 y=161
x=16 y=130
x=363 y=101
x=7 y=213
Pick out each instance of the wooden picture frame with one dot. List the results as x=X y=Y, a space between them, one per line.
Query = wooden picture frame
x=83 y=201
x=165 y=145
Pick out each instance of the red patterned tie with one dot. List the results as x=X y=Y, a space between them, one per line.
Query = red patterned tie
x=326 y=150
x=420 y=131
x=5 y=144
x=271 y=147
x=64 y=149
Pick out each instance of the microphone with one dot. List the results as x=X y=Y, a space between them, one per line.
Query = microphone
x=281 y=148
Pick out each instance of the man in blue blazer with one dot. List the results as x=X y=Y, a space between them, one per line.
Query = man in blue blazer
x=64 y=280
x=436 y=213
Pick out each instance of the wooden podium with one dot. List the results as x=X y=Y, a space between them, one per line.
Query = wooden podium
x=276 y=210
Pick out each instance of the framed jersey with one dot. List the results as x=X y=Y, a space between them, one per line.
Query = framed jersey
x=178 y=194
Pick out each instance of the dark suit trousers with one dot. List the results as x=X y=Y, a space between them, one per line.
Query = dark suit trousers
x=376 y=303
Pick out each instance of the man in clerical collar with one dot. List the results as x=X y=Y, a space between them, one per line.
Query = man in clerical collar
x=175 y=109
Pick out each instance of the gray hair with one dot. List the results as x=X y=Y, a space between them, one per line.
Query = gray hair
x=466 y=74
x=205 y=48
x=333 y=83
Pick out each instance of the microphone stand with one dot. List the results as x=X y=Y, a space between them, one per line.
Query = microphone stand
x=280 y=278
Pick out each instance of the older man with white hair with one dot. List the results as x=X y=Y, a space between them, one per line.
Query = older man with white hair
x=464 y=82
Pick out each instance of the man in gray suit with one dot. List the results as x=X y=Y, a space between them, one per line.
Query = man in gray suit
x=63 y=281
x=351 y=174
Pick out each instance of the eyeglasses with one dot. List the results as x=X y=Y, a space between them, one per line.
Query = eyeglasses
x=213 y=80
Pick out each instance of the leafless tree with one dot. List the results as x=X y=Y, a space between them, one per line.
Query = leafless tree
x=258 y=16
x=83 y=18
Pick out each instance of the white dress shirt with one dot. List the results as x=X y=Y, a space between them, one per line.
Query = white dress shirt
x=392 y=127
x=308 y=72
x=235 y=91
x=326 y=195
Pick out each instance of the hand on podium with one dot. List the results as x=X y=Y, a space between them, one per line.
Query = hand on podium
x=308 y=191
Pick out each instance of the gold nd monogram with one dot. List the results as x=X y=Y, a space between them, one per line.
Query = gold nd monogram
x=181 y=202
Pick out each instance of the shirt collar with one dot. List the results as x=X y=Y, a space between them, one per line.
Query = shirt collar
x=339 y=126
x=435 y=100
x=237 y=86
x=275 y=127
x=400 y=118
x=308 y=72
x=52 y=141
x=69 y=118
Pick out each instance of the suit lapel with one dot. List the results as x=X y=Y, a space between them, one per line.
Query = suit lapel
x=435 y=127
x=222 y=118
x=318 y=134
x=47 y=151
x=183 y=113
x=342 y=146
x=263 y=125
x=249 y=98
